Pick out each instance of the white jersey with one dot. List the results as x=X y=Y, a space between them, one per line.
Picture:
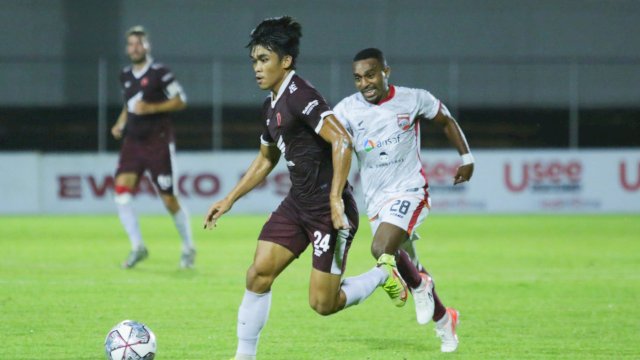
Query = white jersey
x=386 y=140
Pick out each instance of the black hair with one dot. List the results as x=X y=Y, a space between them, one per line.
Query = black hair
x=280 y=35
x=371 y=53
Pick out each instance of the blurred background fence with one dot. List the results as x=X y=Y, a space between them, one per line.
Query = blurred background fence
x=523 y=74
x=547 y=92
x=501 y=102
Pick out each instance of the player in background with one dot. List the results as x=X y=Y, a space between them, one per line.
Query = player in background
x=319 y=210
x=384 y=122
x=151 y=93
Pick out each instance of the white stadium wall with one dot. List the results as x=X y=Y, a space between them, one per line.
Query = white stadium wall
x=535 y=181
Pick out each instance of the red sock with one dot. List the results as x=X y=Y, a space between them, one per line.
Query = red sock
x=407 y=270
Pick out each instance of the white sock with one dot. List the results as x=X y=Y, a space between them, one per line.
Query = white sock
x=252 y=316
x=181 y=219
x=358 y=288
x=443 y=321
x=129 y=221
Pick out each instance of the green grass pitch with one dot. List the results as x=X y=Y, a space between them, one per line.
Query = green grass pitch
x=527 y=287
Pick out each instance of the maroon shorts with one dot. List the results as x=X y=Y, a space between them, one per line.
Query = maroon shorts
x=155 y=155
x=294 y=228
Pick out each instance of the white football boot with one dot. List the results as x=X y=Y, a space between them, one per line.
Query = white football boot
x=446 y=330
x=423 y=300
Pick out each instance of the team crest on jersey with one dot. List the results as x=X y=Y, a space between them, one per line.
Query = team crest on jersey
x=292 y=88
x=278 y=119
x=144 y=81
x=127 y=84
x=404 y=121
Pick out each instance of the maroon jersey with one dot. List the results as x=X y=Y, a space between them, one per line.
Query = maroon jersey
x=154 y=83
x=292 y=122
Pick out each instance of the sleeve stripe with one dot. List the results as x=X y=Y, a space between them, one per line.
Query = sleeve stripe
x=321 y=122
x=266 y=143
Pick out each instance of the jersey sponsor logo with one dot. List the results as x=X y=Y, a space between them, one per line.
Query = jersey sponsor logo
x=404 y=121
x=625 y=178
x=292 y=88
x=544 y=176
x=384 y=157
x=370 y=144
x=310 y=106
x=268 y=121
x=384 y=160
x=279 y=119
x=144 y=81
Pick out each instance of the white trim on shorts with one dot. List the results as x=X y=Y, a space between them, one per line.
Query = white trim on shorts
x=337 y=263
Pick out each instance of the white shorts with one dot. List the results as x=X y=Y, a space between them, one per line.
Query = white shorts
x=405 y=211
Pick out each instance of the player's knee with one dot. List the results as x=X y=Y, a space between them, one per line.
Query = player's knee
x=123 y=195
x=259 y=281
x=171 y=203
x=323 y=308
x=377 y=249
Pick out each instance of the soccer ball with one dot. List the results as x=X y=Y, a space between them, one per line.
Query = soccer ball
x=130 y=340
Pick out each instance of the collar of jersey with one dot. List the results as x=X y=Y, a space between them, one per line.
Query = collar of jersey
x=141 y=72
x=390 y=95
x=282 y=88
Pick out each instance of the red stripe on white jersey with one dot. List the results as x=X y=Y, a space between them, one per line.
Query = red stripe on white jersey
x=415 y=216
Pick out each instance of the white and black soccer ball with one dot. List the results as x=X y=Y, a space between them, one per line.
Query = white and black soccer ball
x=130 y=340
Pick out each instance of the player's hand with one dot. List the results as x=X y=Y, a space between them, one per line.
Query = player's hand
x=116 y=131
x=465 y=172
x=337 y=214
x=143 y=108
x=215 y=212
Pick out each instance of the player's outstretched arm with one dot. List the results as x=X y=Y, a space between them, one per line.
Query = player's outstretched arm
x=266 y=160
x=456 y=137
x=334 y=133
x=118 y=127
x=174 y=104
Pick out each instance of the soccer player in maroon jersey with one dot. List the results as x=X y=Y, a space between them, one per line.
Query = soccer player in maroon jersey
x=151 y=93
x=319 y=209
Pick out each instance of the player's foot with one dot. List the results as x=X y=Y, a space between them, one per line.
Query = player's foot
x=135 y=256
x=395 y=287
x=423 y=299
x=187 y=259
x=446 y=330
